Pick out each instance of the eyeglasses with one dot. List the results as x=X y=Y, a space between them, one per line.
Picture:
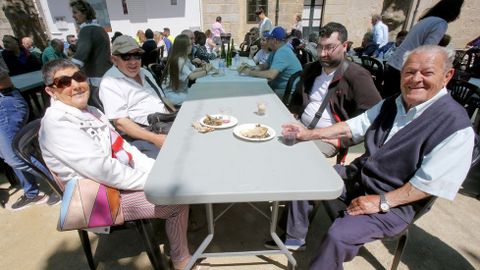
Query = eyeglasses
x=128 y=56
x=328 y=48
x=66 y=81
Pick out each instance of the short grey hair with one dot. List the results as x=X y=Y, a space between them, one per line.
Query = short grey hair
x=449 y=54
x=52 y=67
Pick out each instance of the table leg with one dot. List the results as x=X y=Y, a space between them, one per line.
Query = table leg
x=199 y=252
x=273 y=233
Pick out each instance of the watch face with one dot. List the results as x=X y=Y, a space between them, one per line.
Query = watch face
x=384 y=206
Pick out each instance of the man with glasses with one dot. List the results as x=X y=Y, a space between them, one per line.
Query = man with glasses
x=281 y=64
x=350 y=91
x=128 y=96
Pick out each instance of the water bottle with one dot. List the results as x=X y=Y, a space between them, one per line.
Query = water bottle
x=221 y=67
x=236 y=60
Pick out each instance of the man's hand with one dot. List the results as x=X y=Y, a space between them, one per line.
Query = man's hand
x=302 y=133
x=159 y=139
x=364 y=205
x=244 y=69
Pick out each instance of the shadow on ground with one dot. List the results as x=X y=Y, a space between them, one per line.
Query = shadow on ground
x=423 y=250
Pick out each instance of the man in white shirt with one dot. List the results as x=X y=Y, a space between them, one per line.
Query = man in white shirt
x=265 y=24
x=418 y=145
x=380 y=31
x=128 y=98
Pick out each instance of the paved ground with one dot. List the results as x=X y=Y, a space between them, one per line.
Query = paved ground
x=446 y=238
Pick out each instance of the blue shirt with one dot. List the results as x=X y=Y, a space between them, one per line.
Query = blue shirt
x=443 y=169
x=286 y=63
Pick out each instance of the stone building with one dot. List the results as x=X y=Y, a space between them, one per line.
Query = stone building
x=128 y=16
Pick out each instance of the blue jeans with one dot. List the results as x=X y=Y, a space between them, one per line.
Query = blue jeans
x=13 y=110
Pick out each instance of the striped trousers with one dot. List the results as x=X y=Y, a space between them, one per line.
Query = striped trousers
x=135 y=206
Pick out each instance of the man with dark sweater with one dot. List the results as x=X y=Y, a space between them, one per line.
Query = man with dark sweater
x=418 y=144
x=348 y=90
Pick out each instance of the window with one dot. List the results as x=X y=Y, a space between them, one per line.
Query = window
x=254 y=5
x=312 y=16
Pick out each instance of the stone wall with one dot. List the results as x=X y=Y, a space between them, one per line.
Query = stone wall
x=5 y=27
x=234 y=15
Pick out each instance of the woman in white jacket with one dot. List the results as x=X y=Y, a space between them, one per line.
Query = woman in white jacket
x=77 y=141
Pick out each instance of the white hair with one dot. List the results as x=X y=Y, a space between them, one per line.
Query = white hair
x=449 y=54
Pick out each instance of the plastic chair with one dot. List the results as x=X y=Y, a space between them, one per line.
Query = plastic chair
x=375 y=68
x=465 y=93
x=26 y=146
x=157 y=72
x=304 y=56
x=290 y=88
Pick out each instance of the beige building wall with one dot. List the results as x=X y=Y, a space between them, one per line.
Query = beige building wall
x=5 y=27
x=234 y=15
x=354 y=14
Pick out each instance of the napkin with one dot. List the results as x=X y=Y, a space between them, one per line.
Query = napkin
x=200 y=128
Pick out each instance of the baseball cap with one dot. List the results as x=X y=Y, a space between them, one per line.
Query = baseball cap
x=125 y=44
x=277 y=33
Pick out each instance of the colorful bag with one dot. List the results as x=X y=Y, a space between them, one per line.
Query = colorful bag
x=89 y=204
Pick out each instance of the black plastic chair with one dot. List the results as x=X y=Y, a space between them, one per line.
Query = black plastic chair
x=289 y=89
x=465 y=93
x=157 y=72
x=26 y=146
x=304 y=56
x=375 y=67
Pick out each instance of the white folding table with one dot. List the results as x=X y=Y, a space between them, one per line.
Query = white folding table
x=217 y=167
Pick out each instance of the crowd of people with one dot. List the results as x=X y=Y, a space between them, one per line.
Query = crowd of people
x=335 y=101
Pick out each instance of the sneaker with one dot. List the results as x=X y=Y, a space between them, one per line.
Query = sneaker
x=54 y=199
x=291 y=244
x=24 y=202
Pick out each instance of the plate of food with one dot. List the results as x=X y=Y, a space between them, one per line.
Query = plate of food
x=218 y=121
x=254 y=132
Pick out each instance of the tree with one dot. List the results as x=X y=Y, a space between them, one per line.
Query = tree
x=25 y=21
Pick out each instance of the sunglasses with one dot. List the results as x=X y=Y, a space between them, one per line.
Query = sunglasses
x=128 y=56
x=66 y=81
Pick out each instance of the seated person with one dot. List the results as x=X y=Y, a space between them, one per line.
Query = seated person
x=281 y=65
x=385 y=52
x=148 y=46
x=128 y=97
x=210 y=43
x=311 y=45
x=354 y=93
x=368 y=47
x=418 y=144
x=18 y=59
x=77 y=141
x=27 y=43
x=202 y=52
x=180 y=71
x=54 y=51
x=260 y=57
x=13 y=113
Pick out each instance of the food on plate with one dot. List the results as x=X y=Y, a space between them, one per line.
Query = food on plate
x=258 y=132
x=213 y=121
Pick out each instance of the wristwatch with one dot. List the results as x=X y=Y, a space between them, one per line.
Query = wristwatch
x=384 y=206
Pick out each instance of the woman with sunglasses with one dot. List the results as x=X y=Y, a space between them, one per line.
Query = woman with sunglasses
x=180 y=72
x=77 y=141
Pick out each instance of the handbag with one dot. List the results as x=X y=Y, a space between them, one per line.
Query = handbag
x=160 y=123
x=89 y=204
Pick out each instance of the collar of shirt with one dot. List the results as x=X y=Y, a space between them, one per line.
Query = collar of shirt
x=116 y=73
x=416 y=111
x=93 y=22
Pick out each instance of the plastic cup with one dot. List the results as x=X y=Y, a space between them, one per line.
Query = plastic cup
x=261 y=108
x=290 y=138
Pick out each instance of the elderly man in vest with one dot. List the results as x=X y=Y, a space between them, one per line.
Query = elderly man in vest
x=418 y=144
